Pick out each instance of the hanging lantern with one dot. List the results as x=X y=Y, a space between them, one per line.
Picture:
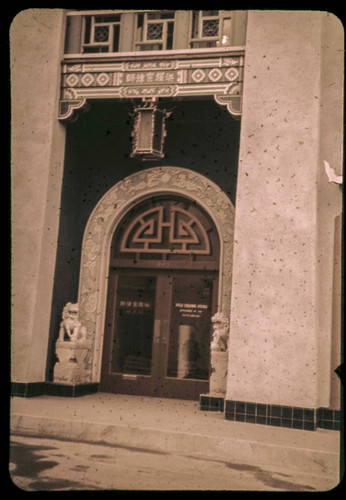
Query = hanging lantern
x=149 y=131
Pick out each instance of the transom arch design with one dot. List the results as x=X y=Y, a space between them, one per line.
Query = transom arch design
x=166 y=228
x=111 y=209
x=185 y=233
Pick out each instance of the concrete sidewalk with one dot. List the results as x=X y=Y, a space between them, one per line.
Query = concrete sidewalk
x=175 y=426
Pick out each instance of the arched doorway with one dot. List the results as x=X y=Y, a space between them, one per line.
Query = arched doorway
x=104 y=221
x=162 y=293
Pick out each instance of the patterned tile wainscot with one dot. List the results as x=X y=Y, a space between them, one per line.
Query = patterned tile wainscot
x=293 y=417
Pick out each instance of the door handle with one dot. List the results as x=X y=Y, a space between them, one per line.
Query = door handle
x=157 y=331
x=161 y=331
x=164 y=331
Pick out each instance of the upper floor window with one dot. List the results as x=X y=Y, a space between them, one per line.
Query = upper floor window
x=210 y=28
x=92 y=32
x=101 y=33
x=154 y=30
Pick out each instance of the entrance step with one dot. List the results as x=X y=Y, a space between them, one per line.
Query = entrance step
x=177 y=427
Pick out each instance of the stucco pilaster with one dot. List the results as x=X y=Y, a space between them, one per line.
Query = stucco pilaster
x=274 y=330
x=37 y=164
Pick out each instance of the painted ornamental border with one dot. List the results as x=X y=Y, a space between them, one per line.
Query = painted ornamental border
x=218 y=75
x=102 y=223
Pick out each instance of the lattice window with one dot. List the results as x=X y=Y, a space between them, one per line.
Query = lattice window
x=112 y=31
x=155 y=31
x=210 y=28
x=157 y=27
x=101 y=33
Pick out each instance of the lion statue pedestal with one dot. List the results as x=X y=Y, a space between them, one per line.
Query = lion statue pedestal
x=219 y=355
x=72 y=349
x=70 y=367
x=218 y=377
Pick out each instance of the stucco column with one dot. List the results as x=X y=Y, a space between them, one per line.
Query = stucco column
x=275 y=336
x=37 y=166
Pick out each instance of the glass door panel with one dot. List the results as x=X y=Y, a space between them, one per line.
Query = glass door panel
x=190 y=327
x=134 y=324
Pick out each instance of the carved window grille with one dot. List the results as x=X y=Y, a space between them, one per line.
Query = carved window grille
x=166 y=229
x=155 y=30
x=210 y=28
x=101 y=33
x=113 y=31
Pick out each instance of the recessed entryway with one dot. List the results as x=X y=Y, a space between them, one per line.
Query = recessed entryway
x=162 y=293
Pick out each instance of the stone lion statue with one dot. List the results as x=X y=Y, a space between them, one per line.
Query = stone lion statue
x=220 y=332
x=70 y=324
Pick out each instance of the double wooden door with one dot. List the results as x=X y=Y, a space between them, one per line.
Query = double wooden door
x=158 y=332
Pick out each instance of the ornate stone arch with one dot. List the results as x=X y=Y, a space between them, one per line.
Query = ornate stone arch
x=101 y=226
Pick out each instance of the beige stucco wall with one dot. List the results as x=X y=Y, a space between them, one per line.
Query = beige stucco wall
x=328 y=210
x=36 y=38
x=280 y=330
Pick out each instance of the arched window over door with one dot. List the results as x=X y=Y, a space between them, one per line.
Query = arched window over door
x=168 y=229
x=163 y=285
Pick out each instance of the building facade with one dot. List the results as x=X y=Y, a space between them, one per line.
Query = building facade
x=176 y=208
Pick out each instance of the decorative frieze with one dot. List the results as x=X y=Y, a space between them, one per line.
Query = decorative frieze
x=220 y=77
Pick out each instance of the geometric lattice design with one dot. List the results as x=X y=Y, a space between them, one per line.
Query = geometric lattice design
x=102 y=79
x=198 y=75
x=232 y=74
x=101 y=33
x=166 y=229
x=215 y=74
x=87 y=79
x=210 y=28
x=155 y=31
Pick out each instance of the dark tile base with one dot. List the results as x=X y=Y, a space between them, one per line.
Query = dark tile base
x=211 y=403
x=274 y=415
x=27 y=389
x=328 y=419
x=72 y=391
x=293 y=417
x=32 y=389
